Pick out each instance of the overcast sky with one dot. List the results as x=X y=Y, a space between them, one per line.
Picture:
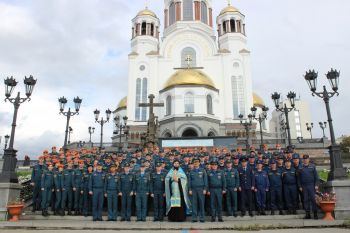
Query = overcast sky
x=80 y=48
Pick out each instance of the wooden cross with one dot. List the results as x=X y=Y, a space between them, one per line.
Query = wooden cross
x=152 y=125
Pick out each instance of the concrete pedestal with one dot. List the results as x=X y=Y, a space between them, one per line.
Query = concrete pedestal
x=342 y=190
x=8 y=192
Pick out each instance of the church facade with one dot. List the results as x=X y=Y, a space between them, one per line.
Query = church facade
x=202 y=77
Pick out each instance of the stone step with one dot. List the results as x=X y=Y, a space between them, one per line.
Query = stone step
x=38 y=216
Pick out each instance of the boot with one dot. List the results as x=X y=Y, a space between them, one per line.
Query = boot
x=315 y=215
x=251 y=214
x=294 y=211
x=220 y=219
x=307 y=215
x=212 y=219
x=242 y=213
x=34 y=209
x=281 y=212
x=263 y=212
x=43 y=213
x=70 y=213
x=62 y=213
x=258 y=212
x=272 y=212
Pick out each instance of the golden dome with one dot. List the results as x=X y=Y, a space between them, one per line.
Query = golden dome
x=147 y=12
x=189 y=77
x=123 y=103
x=229 y=9
x=258 y=101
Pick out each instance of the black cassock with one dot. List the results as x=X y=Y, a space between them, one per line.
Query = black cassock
x=178 y=214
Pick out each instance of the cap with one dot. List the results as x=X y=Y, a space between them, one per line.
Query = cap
x=158 y=164
x=127 y=165
x=99 y=164
x=228 y=161
x=214 y=163
x=273 y=161
x=288 y=160
x=260 y=162
x=296 y=156
x=60 y=165
x=195 y=159
x=281 y=157
x=252 y=156
x=306 y=156
x=243 y=159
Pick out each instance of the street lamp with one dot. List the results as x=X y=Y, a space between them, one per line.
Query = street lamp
x=7 y=137
x=70 y=131
x=337 y=169
x=276 y=98
x=91 y=131
x=247 y=124
x=102 y=122
x=261 y=118
x=62 y=102
x=309 y=128
x=323 y=126
x=122 y=129
x=10 y=160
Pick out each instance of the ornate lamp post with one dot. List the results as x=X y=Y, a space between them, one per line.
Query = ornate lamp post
x=121 y=129
x=102 y=122
x=7 y=137
x=323 y=126
x=63 y=101
x=247 y=124
x=91 y=131
x=262 y=117
x=10 y=160
x=70 y=131
x=337 y=169
x=284 y=109
x=309 y=128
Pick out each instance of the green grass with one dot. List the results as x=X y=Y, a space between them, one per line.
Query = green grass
x=23 y=173
x=324 y=175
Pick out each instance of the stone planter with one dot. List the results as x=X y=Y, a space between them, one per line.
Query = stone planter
x=327 y=207
x=15 y=211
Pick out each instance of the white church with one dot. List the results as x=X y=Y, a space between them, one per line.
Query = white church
x=203 y=77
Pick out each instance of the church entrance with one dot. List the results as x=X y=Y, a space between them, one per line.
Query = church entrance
x=189 y=133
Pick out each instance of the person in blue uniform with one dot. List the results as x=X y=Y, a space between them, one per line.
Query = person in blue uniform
x=87 y=206
x=290 y=187
x=58 y=177
x=262 y=186
x=217 y=187
x=47 y=188
x=67 y=188
x=96 y=185
x=126 y=182
x=158 y=192
x=198 y=186
x=111 y=191
x=246 y=187
x=36 y=182
x=142 y=181
x=78 y=187
x=308 y=182
x=275 y=178
x=232 y=184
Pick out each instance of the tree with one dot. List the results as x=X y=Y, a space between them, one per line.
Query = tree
x=345 y=144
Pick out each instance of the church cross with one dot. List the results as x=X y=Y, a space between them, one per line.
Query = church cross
x=229 y=2
x=188 y=60
x=152 y=125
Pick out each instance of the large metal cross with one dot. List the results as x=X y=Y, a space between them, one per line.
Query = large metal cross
x=152 y=124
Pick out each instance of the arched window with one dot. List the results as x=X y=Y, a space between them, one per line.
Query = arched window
x=144 y=99
x=238 y=96
x=186 y=53
x=224 y=27
x=233 y=25
x=138 y=100
x=168 y=105
x=204 y=12
x=189 y=103
x=209 y=104
x=172 y=14
x=188 y=10
x=143 y=28
x=152 y=29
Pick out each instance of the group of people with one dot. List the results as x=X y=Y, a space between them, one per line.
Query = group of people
x=174 y=182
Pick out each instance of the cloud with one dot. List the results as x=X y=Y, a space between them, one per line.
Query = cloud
x=80 y=48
